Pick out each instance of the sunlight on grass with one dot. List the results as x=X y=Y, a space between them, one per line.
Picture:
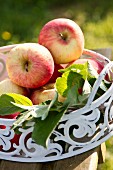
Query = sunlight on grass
x=6 y=35
x=99 y=34
x=108 y=165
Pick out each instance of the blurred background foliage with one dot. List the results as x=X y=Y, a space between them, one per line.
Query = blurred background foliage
x=22 y=20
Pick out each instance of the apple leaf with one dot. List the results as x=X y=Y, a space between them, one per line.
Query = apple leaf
x=86 y=70
x=21 y=119
x=81 y=75
x=6 y=103
x=35 y=111
x=68 y=79
x=46 y=117
x=72 y=97
x=75 y=74
x=6 y=107
x=44 y=128
x=20 y=99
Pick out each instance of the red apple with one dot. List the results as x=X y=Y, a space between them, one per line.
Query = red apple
x=96 y=65
x=45 y=93
x=16 y=137
x=11 y=116
x=7 y=86
x=14 y=140
x=109 y=76
x=64 y=38
x=39 y=96
x=56 y=73
x=30 y=65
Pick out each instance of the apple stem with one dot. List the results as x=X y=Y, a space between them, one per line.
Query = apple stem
x=26 y=66
x=63 y=36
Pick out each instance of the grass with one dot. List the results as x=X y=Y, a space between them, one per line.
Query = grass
x=108 y=165
x=22 y=20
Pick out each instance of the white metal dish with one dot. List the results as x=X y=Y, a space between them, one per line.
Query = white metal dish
x=86 y=130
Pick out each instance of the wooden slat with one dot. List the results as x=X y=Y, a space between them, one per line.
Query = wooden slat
x=85 y=161
x=9 y=165
x=102 y=153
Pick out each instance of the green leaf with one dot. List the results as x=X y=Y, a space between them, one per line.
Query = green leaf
x=68 y=80
x=6 y=103
x=20 y=99
x=6 y=107
x=44 y=128
x=22 y=118
x=34 y=111
x=75 y=67
x=72 y=97
x=103 y=86
x=61 y=84
x=92 y=73
x=86 y=70
x=76 y=74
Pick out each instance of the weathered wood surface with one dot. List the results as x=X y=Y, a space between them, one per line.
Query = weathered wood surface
x=85 y=161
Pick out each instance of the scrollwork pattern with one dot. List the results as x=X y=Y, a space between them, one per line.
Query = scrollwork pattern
x=78 y=131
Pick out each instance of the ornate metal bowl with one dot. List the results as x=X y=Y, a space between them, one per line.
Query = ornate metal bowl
x=90 y=125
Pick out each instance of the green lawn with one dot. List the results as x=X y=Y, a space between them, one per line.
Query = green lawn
x=22 y=20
